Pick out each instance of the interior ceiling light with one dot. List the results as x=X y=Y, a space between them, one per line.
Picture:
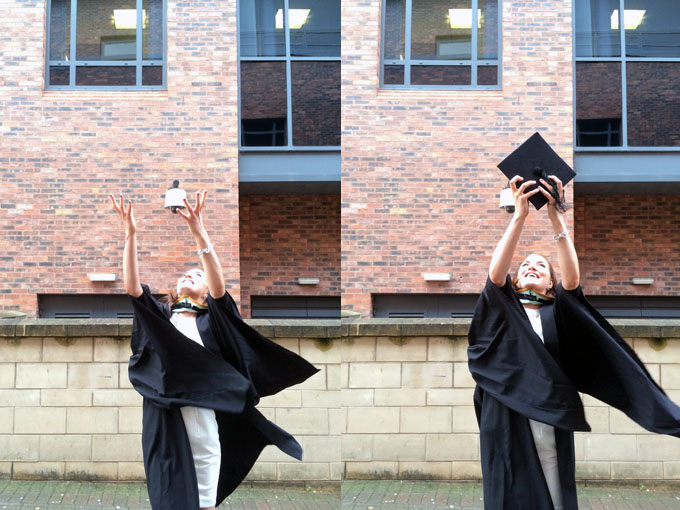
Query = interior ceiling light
x=631 y=18
x=462 y=18
x=126 y=19
x=296 y=18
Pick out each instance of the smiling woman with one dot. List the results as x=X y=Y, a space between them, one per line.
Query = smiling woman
x=201 y=371
x=534 y=344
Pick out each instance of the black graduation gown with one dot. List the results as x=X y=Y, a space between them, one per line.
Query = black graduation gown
x=518 y=378
x=236 y=367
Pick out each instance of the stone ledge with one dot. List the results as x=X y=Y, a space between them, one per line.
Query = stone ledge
x=299 y=328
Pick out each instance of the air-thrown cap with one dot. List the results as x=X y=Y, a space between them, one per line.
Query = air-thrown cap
x=532 y=160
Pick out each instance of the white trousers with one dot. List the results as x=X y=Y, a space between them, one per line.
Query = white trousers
x=204 y=439
x=544 y=438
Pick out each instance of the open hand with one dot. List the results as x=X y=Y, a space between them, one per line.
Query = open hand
x=127 y=216
x=192 y=215
x=521 y=196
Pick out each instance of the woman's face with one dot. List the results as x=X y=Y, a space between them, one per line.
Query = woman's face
x=534 y=273
x=193 y=284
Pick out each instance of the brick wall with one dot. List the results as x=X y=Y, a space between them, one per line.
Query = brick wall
x=286 y=237
x=64 y=151
x=408 y=393
x=67 y=409
x=419 y=183
x=624 y=236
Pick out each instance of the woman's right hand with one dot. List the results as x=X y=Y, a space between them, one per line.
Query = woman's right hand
x=521 y=196
x=127 y=216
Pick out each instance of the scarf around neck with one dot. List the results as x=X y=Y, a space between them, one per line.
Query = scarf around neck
x=186 y=304
x=531 y=297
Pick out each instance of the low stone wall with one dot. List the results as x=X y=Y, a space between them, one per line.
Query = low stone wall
x=67 y=409
x=407 y=395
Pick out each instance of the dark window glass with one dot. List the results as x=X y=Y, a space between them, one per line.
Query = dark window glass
x=424 y=305
x=152 y=31
x=395 y=20
x=84 y=306
x=263 y=132
x=597 y=28
x=441 y=31
x=263 y=93
x=653 y=101
x=440 y=75
x=60 y=30
x=598 y=133
x=394 y=75
x=487 y=75
x=152 y=75
x=106 y=30
x=598 y=103
x=316 y=103
x=261 y=28
x=652 y=28
x=109 y=76
x=59 y=75
x=314 y=28
x=295 y=307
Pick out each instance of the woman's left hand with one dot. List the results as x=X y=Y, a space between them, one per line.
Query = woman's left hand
x=552 y=210
x=192 y=216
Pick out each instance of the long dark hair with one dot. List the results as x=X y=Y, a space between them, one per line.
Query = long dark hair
x=553 y=277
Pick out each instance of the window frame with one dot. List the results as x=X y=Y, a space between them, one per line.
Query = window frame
x=473 y=63
x=622 y=59
x=139 y=63
x=288 y=59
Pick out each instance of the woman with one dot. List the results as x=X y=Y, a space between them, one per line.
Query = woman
x=201 y=371
x=534 y=344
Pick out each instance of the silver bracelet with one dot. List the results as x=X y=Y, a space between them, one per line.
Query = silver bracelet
x=559 y=236
x=204 y=251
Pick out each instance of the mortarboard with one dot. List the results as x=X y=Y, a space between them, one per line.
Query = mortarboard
x=531 y=160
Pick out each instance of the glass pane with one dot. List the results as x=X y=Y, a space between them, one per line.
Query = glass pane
x=263 y=99
x=59 y=75
x=598 y=104
x=106 y=76
x=487 y=75
x=60 y=29
x=106 y=30
x=261 y=28
x=653 y=100
x=597 y=28
x=316 y=103
x=441 y=30
x=395 y=21
x=393 y=75
x=440 y=75
x=152 y=75
x=652 y=28
x=487 y=38
x=314 y=28
x=152 y=30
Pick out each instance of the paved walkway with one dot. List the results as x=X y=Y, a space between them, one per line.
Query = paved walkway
x=356 y=495
x=38 y=495
x=419 y=495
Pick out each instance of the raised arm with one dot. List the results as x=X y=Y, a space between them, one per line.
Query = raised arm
x=502 y=256
x=130 y=271
x=566 y=253
x=211 y=263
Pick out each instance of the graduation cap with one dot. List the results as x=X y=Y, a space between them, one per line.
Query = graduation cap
x=533 y=160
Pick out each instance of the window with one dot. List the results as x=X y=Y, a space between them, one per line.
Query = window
x=452 y=44
x=295 y=307
x=289 y=74
x=84 y=306
x=106 y=44
x=626 y=80
x=417 y=306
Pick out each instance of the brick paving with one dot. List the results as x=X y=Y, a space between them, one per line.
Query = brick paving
x=420 y=495
x=62 y=495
